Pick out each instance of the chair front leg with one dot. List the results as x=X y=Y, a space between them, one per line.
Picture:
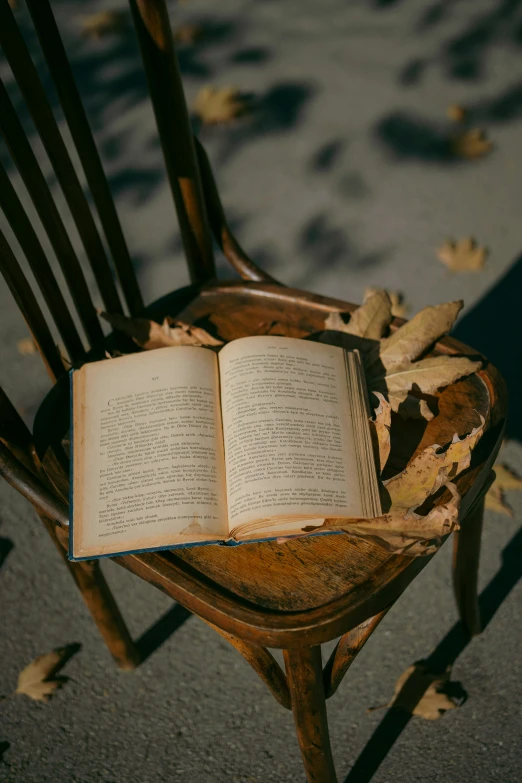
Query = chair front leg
x=305 y=681
x=466 y=556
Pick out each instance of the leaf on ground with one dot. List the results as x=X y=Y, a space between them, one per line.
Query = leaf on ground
x=436 y=690
x=471 y=144
x=464 y=255
x=188 y=33
x=38 y=680
x=103 y=23
x=403 y=533
x=425 y=474
x=398 y=308
x=217 y=105
x=150 y=335
x=457 y=113
x=26 y=346
x=505 y=480
x=381 y=429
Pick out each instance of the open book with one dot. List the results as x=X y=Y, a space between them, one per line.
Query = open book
x=183 y=445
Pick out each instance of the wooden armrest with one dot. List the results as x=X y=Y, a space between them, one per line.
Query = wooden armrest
x=32 y=488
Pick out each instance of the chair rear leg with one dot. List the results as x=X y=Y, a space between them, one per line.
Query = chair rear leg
x=466 y=556
x=305 y=681
x=100 y=602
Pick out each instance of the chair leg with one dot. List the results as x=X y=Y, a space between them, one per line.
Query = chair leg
x=100 y=602
x=466 y=556
x=305 y=681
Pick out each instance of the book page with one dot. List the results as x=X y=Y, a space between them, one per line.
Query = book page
x=148 y=452
x=288 y=432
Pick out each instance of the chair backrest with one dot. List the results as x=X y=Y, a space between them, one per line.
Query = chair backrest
x=154 y=34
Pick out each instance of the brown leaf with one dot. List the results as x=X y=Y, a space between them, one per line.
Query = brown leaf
x=471 y=144
x=435 y=699
x=505 y=480
x=403 y=534
x=38 y=680
x=425 y=474
x=369 y=321
x=457 y=113
x=215 y=105
x=411 y=407
x=26 y=346
x=411 y=339
x=398 y=308
x=381 y=427
x=427 y=375
x=464 y=255
x=103 y=23
x=188 y=33
x=150 y=335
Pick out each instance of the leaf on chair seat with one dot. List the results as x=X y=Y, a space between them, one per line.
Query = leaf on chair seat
x=425 y=694
x=505 y=480
x=390 y=363
x=38 y=680
x=216 y=105
x=149 y=334
x=398 y=307
x=425 y=474
x=381 y=427
x=464 y=255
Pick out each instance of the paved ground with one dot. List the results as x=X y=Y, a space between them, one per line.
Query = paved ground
x=342 y=179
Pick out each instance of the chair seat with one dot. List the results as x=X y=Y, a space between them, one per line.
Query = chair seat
x=317 y=587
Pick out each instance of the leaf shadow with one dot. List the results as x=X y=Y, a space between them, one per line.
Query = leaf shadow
x=443 y=656
x=4 y=747
x=6 y=545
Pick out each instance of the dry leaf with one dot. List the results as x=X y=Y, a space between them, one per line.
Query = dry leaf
x=471 y=144
x=149 y=334
x=389 y=364
x=104 y=23
x=435 y=699
x=219 y=105
x=381 y=427
x=38 y=679
x=463 y=256
x=188 y=33
x=457 y=113
x=403 y=534
x=425 y=474
x=398 y=308
x=411 y=339
x=505 y=480
x=26 y=346
x=369 y=321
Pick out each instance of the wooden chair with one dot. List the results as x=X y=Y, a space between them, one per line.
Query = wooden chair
x=293 y=596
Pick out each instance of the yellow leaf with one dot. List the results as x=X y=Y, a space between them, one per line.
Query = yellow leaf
x=425 y=474
x=505 y=480
x=149 y=334
x=398 y=308
x=188 y=33
x=457 y=113
x=103 y=23
x=427 y=374
x=215 y=105
x=435 y=699
x=403 y=533
x=371 y=319
x=26 y=346
x=38 y=680
x=463 y=256
x=411 y=339
x=471 y=144
x=381 y=427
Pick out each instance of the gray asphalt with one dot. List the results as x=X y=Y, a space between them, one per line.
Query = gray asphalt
x=341 y=179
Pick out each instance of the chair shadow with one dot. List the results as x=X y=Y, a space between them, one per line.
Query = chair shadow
x=494 y=327
x=157 y=634
x=5 y=547
x=445 y=654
